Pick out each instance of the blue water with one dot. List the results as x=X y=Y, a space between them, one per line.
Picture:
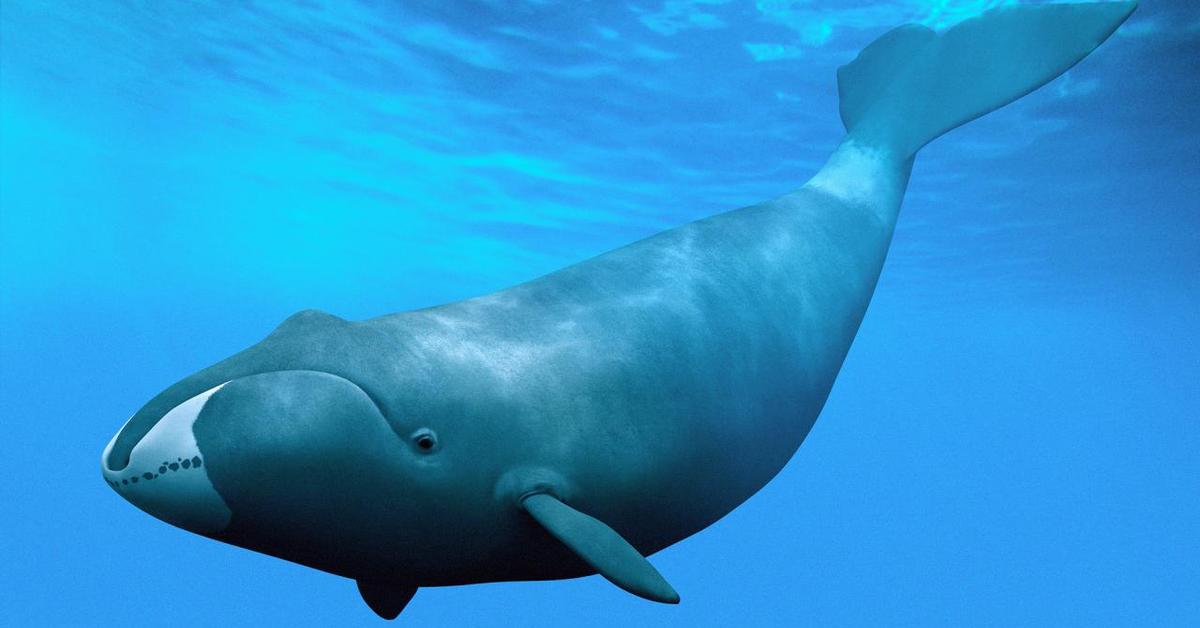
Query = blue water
x=1013 y=439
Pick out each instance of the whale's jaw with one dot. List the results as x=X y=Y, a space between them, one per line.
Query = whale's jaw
x=167 y=475
x=297 y=464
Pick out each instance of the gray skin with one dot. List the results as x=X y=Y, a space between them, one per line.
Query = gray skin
x=654 y=388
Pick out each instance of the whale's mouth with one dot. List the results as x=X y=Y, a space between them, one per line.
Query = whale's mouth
x=117 y=455
x=117 y=459
x=165 y=473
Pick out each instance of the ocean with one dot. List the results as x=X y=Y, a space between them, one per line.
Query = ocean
x=1013 y=437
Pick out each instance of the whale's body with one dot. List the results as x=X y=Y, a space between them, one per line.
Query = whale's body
x=662 y=377
x=654 y=388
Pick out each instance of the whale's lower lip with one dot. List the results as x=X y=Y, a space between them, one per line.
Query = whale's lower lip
x=167 y=475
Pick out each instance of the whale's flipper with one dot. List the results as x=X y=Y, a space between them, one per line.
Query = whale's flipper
x=601 y=547
x=912 y=84
x=385 y=598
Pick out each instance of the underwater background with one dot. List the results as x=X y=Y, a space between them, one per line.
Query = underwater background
x=1013 y=439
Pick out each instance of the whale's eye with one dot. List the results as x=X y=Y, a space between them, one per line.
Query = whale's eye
x=425 y=440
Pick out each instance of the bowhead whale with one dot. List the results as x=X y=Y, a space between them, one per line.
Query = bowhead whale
x=581 y=421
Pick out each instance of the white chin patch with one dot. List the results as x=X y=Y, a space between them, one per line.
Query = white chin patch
x=167 y=475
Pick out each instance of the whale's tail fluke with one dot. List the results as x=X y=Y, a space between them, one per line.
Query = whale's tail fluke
x=912 y=84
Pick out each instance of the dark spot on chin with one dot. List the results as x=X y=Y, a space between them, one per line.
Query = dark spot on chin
x=162 y=469
x=124 y=481
x=186 y=464
x=174 y=466
x=135 y=479
x=196 y=461
x=147 y=475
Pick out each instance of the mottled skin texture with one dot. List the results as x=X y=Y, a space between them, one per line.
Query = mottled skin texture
x=655 y=387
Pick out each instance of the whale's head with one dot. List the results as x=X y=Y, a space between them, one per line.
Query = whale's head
x=289 y=448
